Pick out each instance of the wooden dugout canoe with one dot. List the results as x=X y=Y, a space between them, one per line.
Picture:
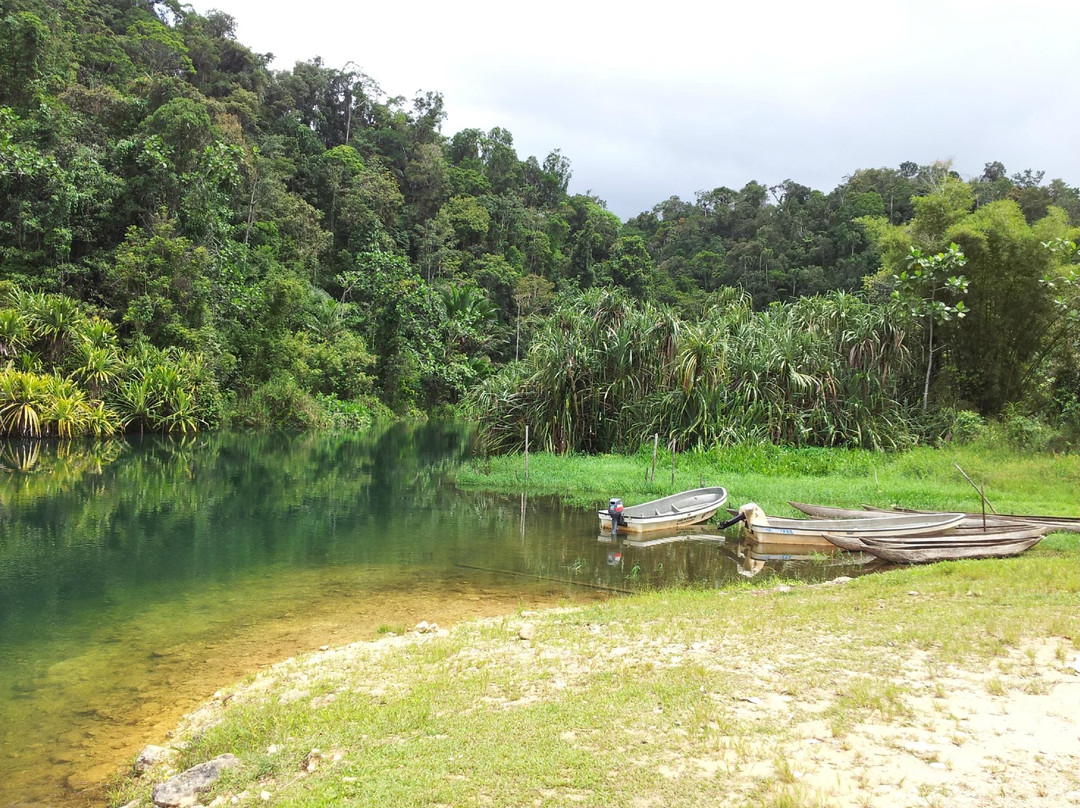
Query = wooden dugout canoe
x=781 y=530
x=961 y=537
x=971 y=521
x=1053 y=524
x=926 y=554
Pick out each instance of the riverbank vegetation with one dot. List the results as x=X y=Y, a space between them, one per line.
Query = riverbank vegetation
x=795 y=695
x=1015 y=480
x=317 y=251
x=605 y=374
x=670 y=695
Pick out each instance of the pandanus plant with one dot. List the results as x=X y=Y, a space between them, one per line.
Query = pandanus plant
x=97 y=367
x=67 y=412
x=604 y=374
x=14 y=333
x=33 y=405
x=160 y=394
x=23 y=397
x=55 y=321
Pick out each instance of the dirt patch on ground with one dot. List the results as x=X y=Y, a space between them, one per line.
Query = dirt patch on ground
x=960 y=738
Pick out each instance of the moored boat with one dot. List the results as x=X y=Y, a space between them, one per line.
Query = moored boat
x=996 y=534
x=1053 y=524
x=927 y=552
x=669 y=513
x=782 y=530
x=971 y=521
x=829 y=511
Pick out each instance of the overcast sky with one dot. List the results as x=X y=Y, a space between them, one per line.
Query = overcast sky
x=650 y=101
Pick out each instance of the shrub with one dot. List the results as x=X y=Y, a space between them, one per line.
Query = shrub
x=280 y=403
x=604 y=374
x=356 y=414
x=35 y=406
x=1025 y=431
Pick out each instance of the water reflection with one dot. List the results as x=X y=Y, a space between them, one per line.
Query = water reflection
x=683 y=554
x=138 y=577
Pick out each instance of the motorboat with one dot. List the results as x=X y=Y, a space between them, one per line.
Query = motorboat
x=669 y=513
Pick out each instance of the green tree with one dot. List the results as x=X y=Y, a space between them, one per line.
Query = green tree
x=531 y=295
x=919 y=289
x=399 y=315
x=631 y=266
x=33 y=58
x=159 y=284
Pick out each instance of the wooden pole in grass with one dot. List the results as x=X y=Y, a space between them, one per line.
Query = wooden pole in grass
x=986 y=502
x=655 y=445
x=526 y=451
x=673 y=462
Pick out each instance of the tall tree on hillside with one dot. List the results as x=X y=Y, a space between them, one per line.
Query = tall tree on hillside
x=920 y=289
x=995 y=353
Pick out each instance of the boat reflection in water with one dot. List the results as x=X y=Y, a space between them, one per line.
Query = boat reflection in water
x=789 y=560
x=738 y=556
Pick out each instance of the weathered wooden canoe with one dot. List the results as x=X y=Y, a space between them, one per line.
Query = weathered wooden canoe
x=971 y=521
x=781 y=530
x=828 y=511
x=678 y=510
x=997 y=534
x=1053 y=524
x=906 y=554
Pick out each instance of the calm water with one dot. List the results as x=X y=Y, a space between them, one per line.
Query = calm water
x=137 y=578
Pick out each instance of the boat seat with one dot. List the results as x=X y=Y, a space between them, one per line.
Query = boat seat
x=676 y=509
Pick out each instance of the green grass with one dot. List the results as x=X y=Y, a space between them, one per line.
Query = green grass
x=1014 y=482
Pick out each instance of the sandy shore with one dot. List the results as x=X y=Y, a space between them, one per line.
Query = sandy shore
x=1002 y=734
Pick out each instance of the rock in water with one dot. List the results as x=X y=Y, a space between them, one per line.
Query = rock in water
x=182 y=790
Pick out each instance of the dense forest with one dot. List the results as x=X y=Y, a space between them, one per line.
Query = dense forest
x=190 y=238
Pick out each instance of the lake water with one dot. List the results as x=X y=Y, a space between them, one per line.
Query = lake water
x=138 y=577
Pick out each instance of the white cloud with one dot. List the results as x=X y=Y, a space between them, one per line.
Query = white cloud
x=653 y=100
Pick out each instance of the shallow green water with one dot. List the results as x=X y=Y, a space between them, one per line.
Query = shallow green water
x=137 y=578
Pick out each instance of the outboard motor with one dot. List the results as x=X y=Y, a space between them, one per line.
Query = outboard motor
x=614 y=509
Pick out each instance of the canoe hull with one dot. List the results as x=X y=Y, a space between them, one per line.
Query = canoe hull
x=961 y=537
x=899 y=554
x=812 y=532
x=669 y=513
x=1053 y=524
x=970 y=522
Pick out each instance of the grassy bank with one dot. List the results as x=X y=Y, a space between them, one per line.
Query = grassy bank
x=1014 y=482
x=941 y=685
x=787 y=697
